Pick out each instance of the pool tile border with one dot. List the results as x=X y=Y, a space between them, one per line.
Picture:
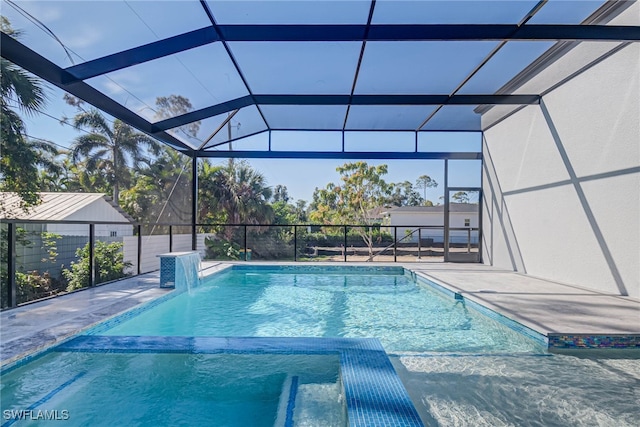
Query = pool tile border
x=319 y=269
x=588 y=341
x=374 y=393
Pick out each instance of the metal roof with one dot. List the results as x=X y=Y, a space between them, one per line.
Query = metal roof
x=54 y=206
x=252 y=68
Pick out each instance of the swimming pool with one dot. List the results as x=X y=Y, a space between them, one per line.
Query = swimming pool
x=390 y=304
x=478 y=378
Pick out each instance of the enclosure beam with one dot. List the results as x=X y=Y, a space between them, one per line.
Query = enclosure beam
x=426 y=32
x=21 y=55
x=341 y=155
x=92 y=255
x=346 y=33
x=139 y=259
x=194 y=202
x=446 y=211
x=11 y=265
x=338 y=99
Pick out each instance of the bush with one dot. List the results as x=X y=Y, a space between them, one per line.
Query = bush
x=109 y=263
x=331 y=239
x=33 y=285
x=221 y=249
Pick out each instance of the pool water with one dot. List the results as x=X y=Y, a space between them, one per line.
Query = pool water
x=459 y=367
x=151 y=389
x=403 y=314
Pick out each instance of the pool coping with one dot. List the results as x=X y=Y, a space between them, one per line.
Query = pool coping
x=553 y=341
x=374 y=393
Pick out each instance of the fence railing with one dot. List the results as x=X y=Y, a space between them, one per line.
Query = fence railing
x=40 y=259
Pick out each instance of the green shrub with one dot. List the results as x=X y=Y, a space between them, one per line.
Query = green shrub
x=221 y=249
x=109 y=264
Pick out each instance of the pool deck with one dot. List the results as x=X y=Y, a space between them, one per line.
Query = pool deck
x=557 y=310
x=550 y=308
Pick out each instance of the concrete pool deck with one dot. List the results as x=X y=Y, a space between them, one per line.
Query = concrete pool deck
x=547 y=307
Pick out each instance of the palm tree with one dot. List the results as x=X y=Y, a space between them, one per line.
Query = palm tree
x=236 y=191
x=109 y=149
x=210 y=181
x=162 y=190
x=20 y=157
x=244 y=195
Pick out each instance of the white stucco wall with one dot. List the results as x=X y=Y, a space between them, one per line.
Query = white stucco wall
x=562 y=180
x=456 y=220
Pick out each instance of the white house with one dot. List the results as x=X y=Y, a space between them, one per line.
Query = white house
x=430 y=219
x=93 y=207
x=84 y=207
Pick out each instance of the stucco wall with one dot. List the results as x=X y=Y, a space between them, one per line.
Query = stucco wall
x=562 y=180
x=457 y=220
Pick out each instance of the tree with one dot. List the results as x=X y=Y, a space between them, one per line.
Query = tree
x=162 y=189
x=210 y=180
x=235 y=194
x=283 y=213
x=461 y=197
x=287 y=213
x=280 y=194
x=176 y=105
x=109 y=149
x=362 y=189
x=20 y=157
x=403 y=194
x=301 y=210
x=424 y=182
x=57 y=172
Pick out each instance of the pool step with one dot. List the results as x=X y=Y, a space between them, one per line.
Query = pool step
x=311 y=404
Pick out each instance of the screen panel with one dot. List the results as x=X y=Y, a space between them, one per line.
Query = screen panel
x=418 y=67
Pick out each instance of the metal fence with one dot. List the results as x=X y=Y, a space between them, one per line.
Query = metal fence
x=37 y=263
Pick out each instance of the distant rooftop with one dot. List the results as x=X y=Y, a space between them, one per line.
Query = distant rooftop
x=54 y=206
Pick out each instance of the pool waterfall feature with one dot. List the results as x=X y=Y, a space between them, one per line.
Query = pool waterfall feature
x=180 y=270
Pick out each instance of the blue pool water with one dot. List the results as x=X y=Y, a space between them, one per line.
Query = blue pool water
x=150 y=389
x=162 y=364
x=403 y=314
